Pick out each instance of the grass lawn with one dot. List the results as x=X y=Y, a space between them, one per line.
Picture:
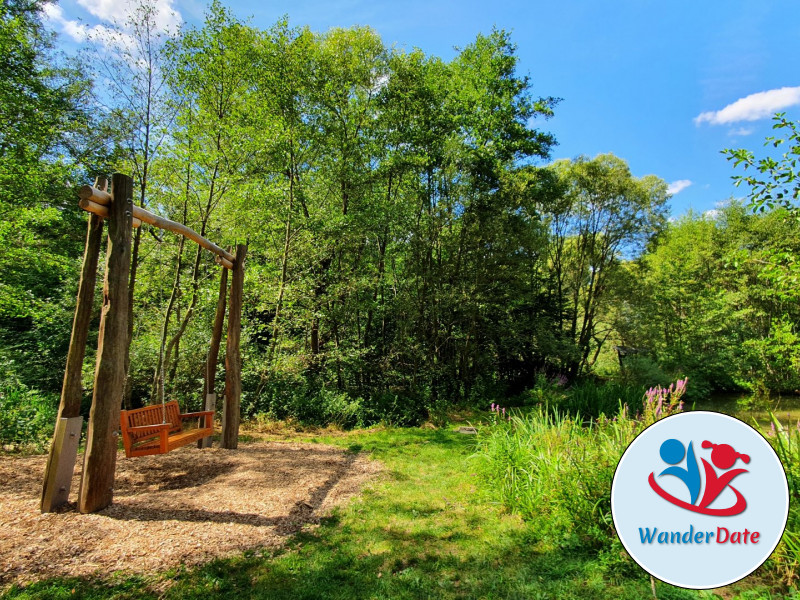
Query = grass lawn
x=426 y=528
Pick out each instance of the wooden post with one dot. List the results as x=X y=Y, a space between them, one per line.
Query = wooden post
x=71 y=389
x=100 y=459
x=233 y=359
x=209 y=394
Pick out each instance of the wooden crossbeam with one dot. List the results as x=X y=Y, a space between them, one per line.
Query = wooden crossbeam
x=97 y=201
x=102 y=211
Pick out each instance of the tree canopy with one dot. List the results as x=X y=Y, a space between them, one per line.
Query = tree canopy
x=410 y=247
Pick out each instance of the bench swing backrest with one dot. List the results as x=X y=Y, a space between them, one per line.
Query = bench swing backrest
x=154 y=415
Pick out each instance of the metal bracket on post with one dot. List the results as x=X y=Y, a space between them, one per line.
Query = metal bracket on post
x=64 y=454
x=210 y=404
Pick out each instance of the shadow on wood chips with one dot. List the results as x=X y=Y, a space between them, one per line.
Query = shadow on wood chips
x=185 y=507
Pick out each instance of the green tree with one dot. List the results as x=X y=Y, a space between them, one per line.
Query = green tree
x=710 y=304
x=44 y=119
x=604 y=215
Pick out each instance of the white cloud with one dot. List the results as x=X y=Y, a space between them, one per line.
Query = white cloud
x=741 y=131
x=52 y=11
x=55 y=14
x=165 y=17
x=106 y=36
x=104 y=9
x=676 y=187
x=753 y=107
x=712 y=214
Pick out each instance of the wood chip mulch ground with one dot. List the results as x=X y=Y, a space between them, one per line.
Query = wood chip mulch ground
x=185 y=507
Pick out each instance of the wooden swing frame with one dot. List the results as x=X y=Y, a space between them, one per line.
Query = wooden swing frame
x=113 y=346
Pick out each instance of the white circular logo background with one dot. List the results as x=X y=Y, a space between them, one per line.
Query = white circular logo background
x=685 y=466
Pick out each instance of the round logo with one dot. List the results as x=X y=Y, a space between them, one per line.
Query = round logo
x=699 y=500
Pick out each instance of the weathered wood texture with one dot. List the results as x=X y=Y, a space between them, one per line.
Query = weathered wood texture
x=71 y=388
x=102 y=211
x=209 y=393
x=233 y=359
x=63 y=454
x=100 y=459
x=95 y=200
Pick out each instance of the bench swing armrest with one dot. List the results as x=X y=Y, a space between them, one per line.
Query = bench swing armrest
x=195 y=415
x=206 y=415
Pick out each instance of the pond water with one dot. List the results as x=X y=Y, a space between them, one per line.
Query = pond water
x=749 y=408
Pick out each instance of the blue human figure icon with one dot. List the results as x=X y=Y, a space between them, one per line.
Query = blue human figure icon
x=672 y=452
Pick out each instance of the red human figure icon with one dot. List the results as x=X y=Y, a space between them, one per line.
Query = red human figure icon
x=724 y=457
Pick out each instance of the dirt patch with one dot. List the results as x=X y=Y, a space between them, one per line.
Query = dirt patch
x=185 y=507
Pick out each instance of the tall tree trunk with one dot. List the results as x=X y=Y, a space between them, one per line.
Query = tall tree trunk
x=175 y=341
x=127 y=401
x=216 y=335
x=287 y=237
x=157 y=393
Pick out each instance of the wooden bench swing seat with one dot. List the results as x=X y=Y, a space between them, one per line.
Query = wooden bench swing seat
x=145 y=433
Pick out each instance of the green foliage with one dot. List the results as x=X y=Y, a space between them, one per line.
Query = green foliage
x=556 y=472
x=585 y=399
x=321 y=407
x=295 y=399
x=26 y=417
x=589 y=399
x=405 y=253
x=44 y=120
x=642 y=370
x=785 y=438
x=602 y=216
x=715 y=300
x=778 y=181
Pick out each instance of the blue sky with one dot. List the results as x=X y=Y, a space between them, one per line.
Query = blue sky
x=663 y=85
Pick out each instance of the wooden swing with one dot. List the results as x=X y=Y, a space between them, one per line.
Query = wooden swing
x=159 y=429
x=150 y=430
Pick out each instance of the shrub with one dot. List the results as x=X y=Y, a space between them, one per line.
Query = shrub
x=556 y=472
x=786 y=441
x=295 y=398
x=546 y=391
x=27 y=417
x=640 y=369
x=589 y=400
x=337 y=408
x=396 y=410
